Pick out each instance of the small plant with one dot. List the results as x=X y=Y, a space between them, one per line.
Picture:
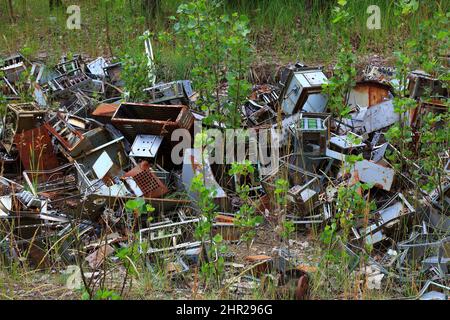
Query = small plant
x=344 y=73
x=102 y=294
x=421 y=145
x=281 y=189
x=406 y=7
x=130 y=255
x=135 y=208
x=212 y=266
x=285 y=227
x=245 y=218
x=218 y=48
x=136 y=72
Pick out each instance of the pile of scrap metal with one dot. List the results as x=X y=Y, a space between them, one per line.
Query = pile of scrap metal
x=73 y=154
x=71 y=174
x=314 y=153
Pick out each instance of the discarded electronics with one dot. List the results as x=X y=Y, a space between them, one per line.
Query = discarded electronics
x=366 y=94
x=303 y=92
x=138 y=118
x=145 y=146
x=374 y=118
x=257 y=114
x=19 y=118
x=12 y=67
x=69 y=65
x=193 y=164
x=176 y=93
x=385 y=218
x=310 y=134
x=167 y=236
x=78 y=161
x=62 y=85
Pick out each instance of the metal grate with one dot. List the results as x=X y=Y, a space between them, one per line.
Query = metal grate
x=150 y=184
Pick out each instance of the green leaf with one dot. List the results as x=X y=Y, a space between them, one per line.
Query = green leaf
x=217 y=238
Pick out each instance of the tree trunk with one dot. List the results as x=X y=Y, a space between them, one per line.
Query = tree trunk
x=108 y=37
x=150 y=8
x=24 y=8
x=11 y=11
x=54 y=3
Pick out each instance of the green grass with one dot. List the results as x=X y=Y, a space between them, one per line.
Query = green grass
x=282 y=30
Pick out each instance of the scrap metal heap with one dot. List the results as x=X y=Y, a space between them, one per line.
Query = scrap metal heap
x=70 y=174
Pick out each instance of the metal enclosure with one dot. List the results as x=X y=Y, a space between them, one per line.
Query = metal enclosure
x=303 y=92
x=161 y=120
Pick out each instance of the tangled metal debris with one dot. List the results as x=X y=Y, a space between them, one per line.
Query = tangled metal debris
x=68 y=172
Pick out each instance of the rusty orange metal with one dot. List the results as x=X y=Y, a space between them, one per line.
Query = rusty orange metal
x=147 y=181
x=36 y=149
x=369 y=93
x=139 y=118
x=106 y=110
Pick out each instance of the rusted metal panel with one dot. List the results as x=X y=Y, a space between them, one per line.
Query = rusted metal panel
x=369 y=93
x=138 y=118
x=36 y=149
x=150 y=185
x=66 y=134
x=105 y=110
x=370 y=172
x=18 y=118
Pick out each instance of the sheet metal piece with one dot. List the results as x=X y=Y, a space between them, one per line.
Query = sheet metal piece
x=102 y=165
x=146 y=146
x=370 y=172
x=368 y=120
x=36 y=149
x=193 y=164
x=346 y=142
x=97 y=67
